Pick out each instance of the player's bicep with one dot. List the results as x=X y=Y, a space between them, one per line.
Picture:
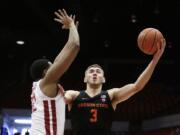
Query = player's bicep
x=123 y=93
x=55 y=72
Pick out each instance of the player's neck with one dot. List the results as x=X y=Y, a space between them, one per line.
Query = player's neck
x=93 y=90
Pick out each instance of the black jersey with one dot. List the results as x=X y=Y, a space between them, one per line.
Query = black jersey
x=91 y=115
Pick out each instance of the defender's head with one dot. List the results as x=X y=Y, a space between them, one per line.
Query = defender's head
x=38 y=68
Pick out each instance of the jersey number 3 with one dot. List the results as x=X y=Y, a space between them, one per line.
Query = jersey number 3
x=93 y=118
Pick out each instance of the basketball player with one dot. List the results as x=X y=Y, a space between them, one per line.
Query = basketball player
x=48 y=106
x=91 y=110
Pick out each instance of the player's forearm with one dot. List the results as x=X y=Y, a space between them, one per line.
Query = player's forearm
x=66 y=56
x=73 y=36
x=145 y=75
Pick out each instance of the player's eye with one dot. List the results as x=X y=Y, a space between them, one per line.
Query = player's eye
x=91 y=71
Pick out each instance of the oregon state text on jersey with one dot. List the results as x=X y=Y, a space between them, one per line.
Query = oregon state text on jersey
x=91 y=115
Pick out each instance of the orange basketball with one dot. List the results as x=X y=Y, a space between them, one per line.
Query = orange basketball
x=147 y=40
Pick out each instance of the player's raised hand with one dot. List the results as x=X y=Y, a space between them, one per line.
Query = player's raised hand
x=66 y=20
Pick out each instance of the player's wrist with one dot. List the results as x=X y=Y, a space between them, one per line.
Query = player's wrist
x=72 y=25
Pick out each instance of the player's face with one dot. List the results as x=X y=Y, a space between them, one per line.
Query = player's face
x=94 y=75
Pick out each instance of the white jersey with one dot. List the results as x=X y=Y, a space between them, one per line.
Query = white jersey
x=48 y=114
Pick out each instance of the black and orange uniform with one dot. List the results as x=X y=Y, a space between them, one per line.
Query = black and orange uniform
x=92 y=115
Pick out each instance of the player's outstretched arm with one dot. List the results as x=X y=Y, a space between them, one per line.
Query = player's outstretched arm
x=120 y=94
x=66 y=55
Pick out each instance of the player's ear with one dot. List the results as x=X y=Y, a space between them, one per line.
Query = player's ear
x=85 y=79
x=103 y=80
x=44 y=72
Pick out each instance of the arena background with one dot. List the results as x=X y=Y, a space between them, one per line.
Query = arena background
x=108 y=32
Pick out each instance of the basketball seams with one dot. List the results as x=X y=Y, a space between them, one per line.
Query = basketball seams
x=144 y=38
x=154 y=42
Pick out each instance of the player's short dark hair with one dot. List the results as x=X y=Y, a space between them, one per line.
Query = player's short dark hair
x=37 y=68
x=94 y=65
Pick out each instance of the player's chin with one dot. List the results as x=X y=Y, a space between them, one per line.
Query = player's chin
x=95 y=83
